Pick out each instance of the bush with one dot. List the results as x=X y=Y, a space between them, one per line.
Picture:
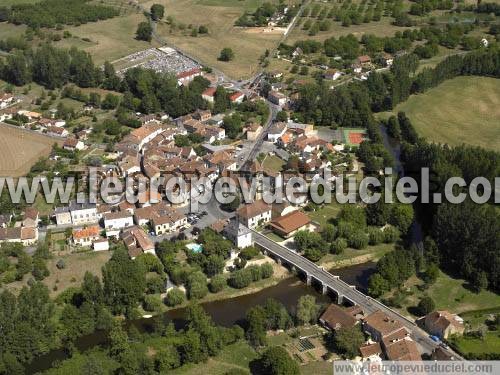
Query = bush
x=358 y=240
x=266 y=270
x=240 y=279
x=151 y=302
x=376 y=236
x=197 y=285
x=217 y=283
x=226 y=54
x=174 y=297
x=391 y=234
x=249 y=253
x=426 y=305
x=60 y=264
x=338 y=246
x=255 y=272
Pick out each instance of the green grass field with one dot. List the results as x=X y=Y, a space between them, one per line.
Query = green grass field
x=108 y=39
x=273 y=163
x=490 y=344
x=449 y=294
x=461 y=110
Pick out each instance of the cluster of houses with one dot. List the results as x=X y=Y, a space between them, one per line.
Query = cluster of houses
x=24 y=232
x=388 y=338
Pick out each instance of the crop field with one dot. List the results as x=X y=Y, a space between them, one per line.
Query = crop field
x=219 y=17
x=20 y=149
x=461 y=110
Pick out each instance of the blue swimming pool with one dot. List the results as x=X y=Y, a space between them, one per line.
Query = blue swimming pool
x=195 y=247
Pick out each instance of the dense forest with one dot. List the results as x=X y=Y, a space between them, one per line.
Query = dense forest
x=51 y=13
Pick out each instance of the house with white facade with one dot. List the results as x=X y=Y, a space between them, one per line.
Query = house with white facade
x=115 y=222
x=254 y=214
x=83 y=213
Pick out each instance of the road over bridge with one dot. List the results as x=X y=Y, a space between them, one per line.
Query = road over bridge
x=345 y=293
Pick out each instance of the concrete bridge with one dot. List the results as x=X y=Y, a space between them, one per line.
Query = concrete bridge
x=345 y=293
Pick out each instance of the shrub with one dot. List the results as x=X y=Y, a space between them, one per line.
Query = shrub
x=151 y=302
x=217 y=283
x=338 y=246
x=174 y=297
x=266 y=270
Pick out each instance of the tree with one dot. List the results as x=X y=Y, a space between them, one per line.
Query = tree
x=347 y=340
x=282 y=116
x=307 y=309
x=402 y=216
x=431 y=273
x=377 y=285
x=214 y=264
x=226 y=54
x=338 y=246
x=157 y=12
x=426 y=305
x=152 y=302
x=277 y=361
x=167 y=359
x=197 y=285
x=144 y=32
x=124 y=282
x=329 y=233
x=232 y=125
x=217 y=283
x=240 y=279
x=221 y=100
x=174 y=297
x=255 y=332
x=479 y=281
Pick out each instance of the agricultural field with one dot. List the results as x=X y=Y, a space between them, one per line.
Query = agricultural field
x=219 y=17
x=20 y=149
x=461 y=110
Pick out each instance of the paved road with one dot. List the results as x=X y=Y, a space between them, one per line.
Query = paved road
x=273 y=111
x=347 y=291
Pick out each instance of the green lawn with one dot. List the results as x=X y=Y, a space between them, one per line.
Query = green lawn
x=450 y=294
x=461 y=110
x=325 y=213
x=235 y=356
x=490 y=344
x=352 y=256
x=273 y=163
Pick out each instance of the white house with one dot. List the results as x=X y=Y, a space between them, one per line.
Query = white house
x=86 y=237
x=73 y=144
x=236 y=97
x=254 y=214
x=83 y=213
x=102 y=244
x=6 y=99
x=275 y=131
x=114 y=222
x=63 y=216
x=239 y=234
x=332 y=74
x=57 y=131
x=277 y=98
x=209 y=94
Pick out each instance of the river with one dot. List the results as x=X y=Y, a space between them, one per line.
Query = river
x=224 y=312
